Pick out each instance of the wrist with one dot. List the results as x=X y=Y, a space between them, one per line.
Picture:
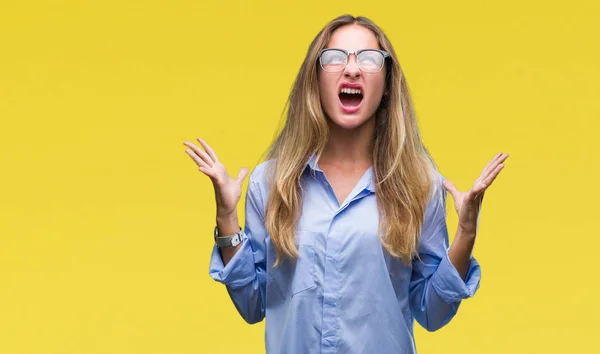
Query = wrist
x=227 y=217
x=228 y=224
x=466 y=232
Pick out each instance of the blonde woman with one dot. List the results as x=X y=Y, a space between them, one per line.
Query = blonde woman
x=345 y=241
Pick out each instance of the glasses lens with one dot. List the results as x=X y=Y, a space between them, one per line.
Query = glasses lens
x=370 y=61
x=333 y=60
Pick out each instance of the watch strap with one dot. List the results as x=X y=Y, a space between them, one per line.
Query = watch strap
x=228 y=241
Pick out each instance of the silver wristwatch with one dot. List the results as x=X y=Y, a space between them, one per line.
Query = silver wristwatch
x=228 y=241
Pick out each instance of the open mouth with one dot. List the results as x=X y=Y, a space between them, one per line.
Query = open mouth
x=350 y=97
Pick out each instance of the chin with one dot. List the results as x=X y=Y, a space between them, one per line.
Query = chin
x=348 y=121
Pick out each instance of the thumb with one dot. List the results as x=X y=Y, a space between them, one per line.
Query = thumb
x=242 y=175
x=451 y=188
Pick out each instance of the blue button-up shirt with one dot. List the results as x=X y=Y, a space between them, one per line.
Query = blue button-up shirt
x=345 y=293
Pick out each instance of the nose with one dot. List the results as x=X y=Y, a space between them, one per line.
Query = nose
x=351 y=70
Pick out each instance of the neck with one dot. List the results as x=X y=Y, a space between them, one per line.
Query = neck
x=349 y=146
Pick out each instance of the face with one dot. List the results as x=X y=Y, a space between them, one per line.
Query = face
x=348 y=109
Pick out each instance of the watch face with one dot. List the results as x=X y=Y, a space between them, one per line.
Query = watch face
x=223 y=242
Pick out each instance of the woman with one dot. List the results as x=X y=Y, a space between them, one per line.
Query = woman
x=345 y=241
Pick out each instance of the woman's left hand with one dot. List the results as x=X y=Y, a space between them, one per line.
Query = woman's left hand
x=468 y=204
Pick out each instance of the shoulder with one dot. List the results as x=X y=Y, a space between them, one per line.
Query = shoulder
x=434 y=229
x=436 y=205
x=259 y=182
x=260 y=174
x=438 y=190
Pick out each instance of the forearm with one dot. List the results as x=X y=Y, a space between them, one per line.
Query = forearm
x=461 y=250
x=228 y=225
x=240 y=273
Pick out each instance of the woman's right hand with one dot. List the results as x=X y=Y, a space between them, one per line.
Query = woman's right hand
x=227 y=190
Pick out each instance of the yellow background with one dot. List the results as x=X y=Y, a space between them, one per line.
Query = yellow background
x=106 y=224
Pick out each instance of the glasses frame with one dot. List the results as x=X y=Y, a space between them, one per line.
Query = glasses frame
x=356 y=53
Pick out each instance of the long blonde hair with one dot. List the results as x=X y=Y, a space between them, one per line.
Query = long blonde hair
x=403 y=168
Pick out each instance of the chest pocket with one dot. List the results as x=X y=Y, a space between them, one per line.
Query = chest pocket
x=293 y=277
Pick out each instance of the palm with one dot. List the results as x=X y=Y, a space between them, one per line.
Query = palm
x=468 y=204
x=228 y=190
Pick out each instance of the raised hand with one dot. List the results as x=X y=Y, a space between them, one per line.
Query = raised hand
x=228 y=190
x=468 y=204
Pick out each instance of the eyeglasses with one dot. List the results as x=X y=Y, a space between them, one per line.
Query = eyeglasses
x=334 y=60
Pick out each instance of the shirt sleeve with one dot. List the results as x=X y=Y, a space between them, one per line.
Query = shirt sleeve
x=436 y=287
x=245 y=274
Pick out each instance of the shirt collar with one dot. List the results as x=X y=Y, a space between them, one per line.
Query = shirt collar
x=312 y=163
x=367 y=179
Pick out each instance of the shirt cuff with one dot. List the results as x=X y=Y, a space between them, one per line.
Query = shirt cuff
x=239 y=271
x=450 y=286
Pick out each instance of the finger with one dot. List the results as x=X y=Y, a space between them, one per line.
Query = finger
x=242 y=174
x=196 y=158
x=493 y=165
x=451 y=188
x=490 y=164
x=484 y=184
x=490 y=179
x=479 y=188
x=207 y=171
x=208 y=149
x=200 y=153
